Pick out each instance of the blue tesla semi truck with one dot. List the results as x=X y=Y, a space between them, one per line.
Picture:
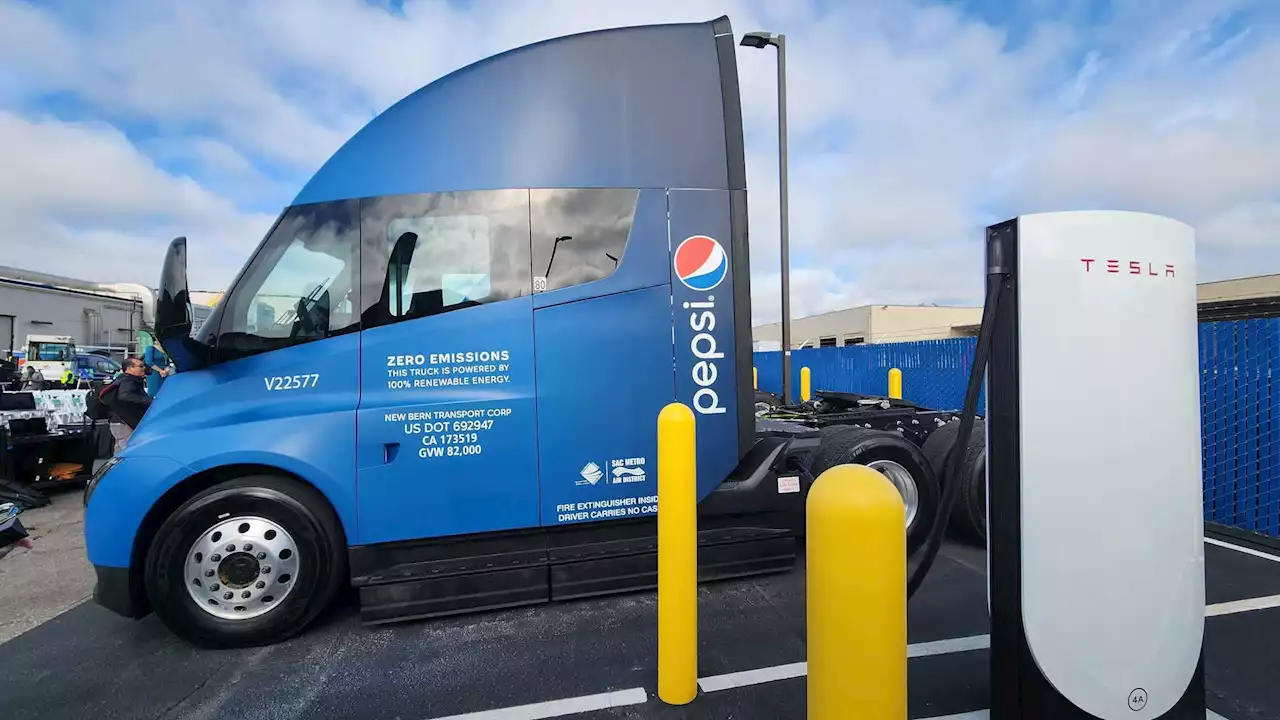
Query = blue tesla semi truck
x=437 y=378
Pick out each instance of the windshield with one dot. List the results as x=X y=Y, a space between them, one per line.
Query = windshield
x=51 y=352
x=301 y=284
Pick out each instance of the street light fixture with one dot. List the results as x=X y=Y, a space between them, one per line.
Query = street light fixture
x=761 y=40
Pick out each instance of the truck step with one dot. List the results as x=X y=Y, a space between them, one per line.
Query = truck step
x=549 y=568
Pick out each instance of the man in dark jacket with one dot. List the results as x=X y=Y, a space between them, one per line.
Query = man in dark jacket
x=129 y=401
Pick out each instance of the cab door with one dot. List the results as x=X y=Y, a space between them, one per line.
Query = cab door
x=446 y=430
x=602 y=326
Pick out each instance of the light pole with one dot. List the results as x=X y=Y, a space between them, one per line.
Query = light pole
x=762 y=40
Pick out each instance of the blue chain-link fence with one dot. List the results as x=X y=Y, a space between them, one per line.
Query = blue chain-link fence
x=1239 y=403
x=1240 y=406
x=934 y=372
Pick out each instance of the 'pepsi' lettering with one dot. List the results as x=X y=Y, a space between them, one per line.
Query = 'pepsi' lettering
x=703 y=318
x=701 y=265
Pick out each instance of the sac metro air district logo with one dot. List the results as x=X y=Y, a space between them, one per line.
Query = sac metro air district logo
x=701 y=263
x=591 y=474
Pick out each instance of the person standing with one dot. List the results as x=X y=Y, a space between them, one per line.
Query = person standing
x=129 y=401
x=32 y=379
x=157 y=367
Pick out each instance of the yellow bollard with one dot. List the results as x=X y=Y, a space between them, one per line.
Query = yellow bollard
x=856 y=597
x=895 y=383
x=805 y=385
x=677 y=556
x=755 y=378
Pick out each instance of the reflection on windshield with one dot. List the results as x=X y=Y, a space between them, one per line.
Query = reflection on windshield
x=448 y=255
x=579 y=236
x=427 y=254
x=300 y=286
x=331 y=268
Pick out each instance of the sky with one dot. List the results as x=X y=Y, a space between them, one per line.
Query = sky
x=911 y=125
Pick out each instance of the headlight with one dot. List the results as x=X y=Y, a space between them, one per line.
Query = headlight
x=97 y=477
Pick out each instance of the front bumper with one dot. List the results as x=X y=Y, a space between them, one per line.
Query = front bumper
x=120 y=592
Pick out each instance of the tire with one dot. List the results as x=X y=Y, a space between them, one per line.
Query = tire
x=316 y=558
x=969 y=513
x=883 y=450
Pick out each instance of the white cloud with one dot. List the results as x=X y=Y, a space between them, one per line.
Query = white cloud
x=181 y=64
x=79 y=199
x=813 y=290
x=218 y=156
x=1204 y=154
x=950 y=132
x=1247 y=225
x=92 y=167
x=912 y=125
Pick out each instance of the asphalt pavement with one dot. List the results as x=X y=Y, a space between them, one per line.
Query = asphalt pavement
x=52 y=575
x=88 y=663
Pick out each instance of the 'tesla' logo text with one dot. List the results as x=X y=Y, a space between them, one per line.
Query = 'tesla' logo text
x=1134 y=267
x=701 y=264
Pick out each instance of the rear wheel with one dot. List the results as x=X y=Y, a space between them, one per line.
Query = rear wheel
x=250 y=561
x=969 y=513
x=895 y=457
x=766 y=402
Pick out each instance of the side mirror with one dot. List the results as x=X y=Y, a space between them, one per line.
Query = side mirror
x=173 y=304
x=173 y=311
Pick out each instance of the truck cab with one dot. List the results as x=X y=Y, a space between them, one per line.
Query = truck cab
x=439 y=375
x=49 y=355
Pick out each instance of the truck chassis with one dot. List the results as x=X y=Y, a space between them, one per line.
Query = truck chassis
x=749 y=526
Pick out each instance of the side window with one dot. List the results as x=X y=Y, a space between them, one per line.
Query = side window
x=578 y=235
x=300 y=286
x=434 y=253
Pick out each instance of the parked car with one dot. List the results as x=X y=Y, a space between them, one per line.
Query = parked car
x=95 y=367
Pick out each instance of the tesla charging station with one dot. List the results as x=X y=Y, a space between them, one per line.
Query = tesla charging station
x=1095 y=530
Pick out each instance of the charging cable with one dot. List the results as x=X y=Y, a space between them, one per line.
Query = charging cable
x=997 y=274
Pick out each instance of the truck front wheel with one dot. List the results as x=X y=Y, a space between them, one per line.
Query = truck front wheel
x=250 y=561
x=895 y=457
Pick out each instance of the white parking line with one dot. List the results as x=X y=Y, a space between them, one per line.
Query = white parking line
x=1245 y=550
x=1239 y=606
x=758 y=676
x=950 y=645
x=986 y=714
x=560 y=708
x=716 y=683
x=744 y=678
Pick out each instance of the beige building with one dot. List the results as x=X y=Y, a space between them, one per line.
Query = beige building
x=1220 y=300
x=1249 y=297
x=872 y=324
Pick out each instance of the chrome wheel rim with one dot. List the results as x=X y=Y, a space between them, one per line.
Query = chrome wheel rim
x=905 y=483
x=241 y=568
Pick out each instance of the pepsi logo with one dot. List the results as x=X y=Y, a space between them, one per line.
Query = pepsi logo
x=701 y=263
